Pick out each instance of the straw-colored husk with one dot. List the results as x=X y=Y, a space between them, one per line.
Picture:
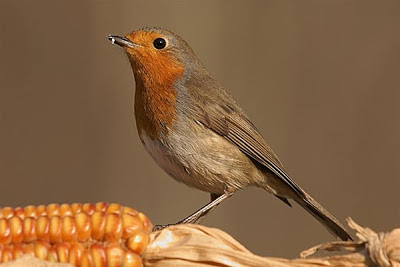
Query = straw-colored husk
x=196 y=245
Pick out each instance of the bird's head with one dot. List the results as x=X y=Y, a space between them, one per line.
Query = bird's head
x=157 y=53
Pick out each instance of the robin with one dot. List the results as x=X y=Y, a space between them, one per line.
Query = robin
x=197 y=133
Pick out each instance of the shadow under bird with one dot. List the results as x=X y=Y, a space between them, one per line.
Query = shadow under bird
x=197 y=133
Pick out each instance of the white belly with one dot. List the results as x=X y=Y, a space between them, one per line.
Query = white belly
x=202 y=160
x=167 y=160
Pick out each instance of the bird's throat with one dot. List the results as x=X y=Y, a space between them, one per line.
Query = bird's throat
x=155 y=103
x=155 y=74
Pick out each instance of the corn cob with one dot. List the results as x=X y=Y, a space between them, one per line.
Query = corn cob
x=98 y=234
x=67 y=209
x=96 y=254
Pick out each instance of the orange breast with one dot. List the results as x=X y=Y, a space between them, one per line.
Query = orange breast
x=155 y=97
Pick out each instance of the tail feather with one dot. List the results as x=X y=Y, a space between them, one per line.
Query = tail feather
x=323 y=216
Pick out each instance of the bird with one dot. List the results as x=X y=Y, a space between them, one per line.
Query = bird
x=197 y=133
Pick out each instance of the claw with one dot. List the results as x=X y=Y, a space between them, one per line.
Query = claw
x=159 y=227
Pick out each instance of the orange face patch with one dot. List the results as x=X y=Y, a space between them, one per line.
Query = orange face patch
x=155 y=73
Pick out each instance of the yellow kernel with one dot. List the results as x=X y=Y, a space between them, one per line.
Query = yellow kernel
x=55 y=229
x=98 y=255
x=19 y=212
x=113 y=227
x=29 y=229
x=6 y=255
x=84 y=231
x=132 y=260
x=88 y=208
x=97 y=223
x=15 y=224
x=101 y=206
x=114 y=208
x=131 y=225
x=5 y=232
x=66 y=210
x=53 y=210
x=128 y=210
x=68 y=230
x=114 y=255
x=42 y=228
x=52 y=254
x=138 y=242
x=7 y=213
x=63 y=251
x=76 y=208
x=41 y=249
x=75 y=254
x=86 y=259
x=30 y=211
x=41 y=210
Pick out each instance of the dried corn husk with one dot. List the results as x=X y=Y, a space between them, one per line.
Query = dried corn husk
x=196 y=245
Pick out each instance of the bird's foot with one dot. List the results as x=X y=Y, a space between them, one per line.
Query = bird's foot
x=159 y=227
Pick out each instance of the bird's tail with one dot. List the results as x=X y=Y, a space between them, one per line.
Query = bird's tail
x=323 y=216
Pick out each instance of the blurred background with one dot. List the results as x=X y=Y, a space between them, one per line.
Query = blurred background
x=320 y=79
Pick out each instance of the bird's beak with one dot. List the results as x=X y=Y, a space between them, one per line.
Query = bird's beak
x=121 y=41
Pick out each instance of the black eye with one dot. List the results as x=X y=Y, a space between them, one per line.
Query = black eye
x=159 y=43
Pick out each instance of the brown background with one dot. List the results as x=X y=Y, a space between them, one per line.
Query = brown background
x=320 y=79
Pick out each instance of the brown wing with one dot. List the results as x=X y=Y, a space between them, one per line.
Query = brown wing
x=238 y=129
x=216 y=109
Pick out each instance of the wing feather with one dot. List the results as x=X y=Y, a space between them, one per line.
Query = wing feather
x=238 y=129
x=216 y=109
